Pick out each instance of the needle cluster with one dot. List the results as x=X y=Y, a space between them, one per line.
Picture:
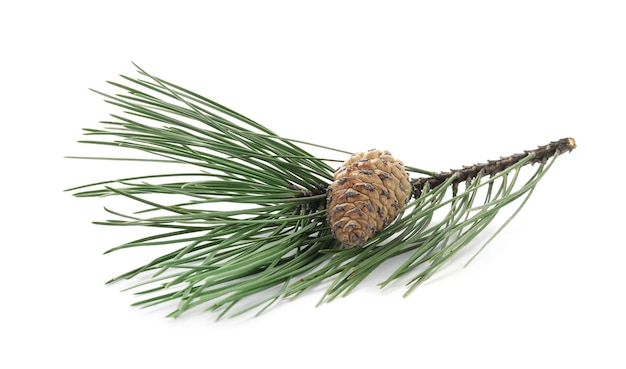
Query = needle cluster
x=243 y=223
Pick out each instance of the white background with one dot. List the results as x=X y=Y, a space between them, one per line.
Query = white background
x=439 y=83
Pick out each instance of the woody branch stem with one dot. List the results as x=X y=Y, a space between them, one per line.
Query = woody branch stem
x=491 y=167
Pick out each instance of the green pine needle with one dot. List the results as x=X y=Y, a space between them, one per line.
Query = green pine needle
x=246 y=226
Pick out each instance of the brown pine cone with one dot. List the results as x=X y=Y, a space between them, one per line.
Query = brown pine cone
x=369 y=191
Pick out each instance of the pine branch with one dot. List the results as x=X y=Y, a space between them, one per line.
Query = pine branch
x=273 y=241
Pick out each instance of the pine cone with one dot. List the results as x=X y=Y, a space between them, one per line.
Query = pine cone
x=369 y=191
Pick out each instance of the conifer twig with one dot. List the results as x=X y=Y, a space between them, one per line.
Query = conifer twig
x=245 y=219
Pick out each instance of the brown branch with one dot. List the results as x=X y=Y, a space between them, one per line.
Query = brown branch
x=541 y=154
x=318 y=189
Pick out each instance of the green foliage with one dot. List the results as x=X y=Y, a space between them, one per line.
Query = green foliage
x=246 y=225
